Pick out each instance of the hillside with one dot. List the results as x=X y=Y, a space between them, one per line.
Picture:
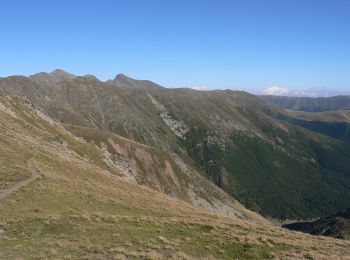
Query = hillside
x=336 y=225
x=74 y=204
x=309 y=104
x=157 y=169
x=253 y=150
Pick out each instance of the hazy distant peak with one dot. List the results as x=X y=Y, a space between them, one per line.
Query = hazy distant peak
x=52 y=77
x=127 y=82
x=90 y=76
x=40 y=74
x=122 y=77
x=62 y=75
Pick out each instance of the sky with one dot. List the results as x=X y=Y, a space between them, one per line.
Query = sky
x=285 y=47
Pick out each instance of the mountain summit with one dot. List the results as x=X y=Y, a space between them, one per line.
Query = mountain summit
x=59 y=75
x=55 y=76
x=127 y=82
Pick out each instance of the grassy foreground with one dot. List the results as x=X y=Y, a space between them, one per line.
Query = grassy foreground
x=78 y=209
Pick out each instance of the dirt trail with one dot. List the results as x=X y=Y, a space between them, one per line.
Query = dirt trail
x=7 y=192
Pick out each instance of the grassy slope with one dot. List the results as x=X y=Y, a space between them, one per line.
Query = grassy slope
x=80 y=210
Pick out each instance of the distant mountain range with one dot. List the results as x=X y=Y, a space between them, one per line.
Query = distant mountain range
x=309 y=104
x=280 y=163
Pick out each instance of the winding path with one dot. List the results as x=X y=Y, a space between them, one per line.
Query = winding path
x=7 y=192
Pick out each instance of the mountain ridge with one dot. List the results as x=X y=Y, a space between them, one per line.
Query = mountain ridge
x=237 y=140
x=125 y=81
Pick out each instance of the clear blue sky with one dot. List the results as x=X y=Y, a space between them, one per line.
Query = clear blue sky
x=247 y=44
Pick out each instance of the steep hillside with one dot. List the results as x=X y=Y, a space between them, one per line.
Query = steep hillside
x=246 y=149
x=309 y=104
x=60 y=198
x=242 y=143
x=337 y=225
x=161 y=171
